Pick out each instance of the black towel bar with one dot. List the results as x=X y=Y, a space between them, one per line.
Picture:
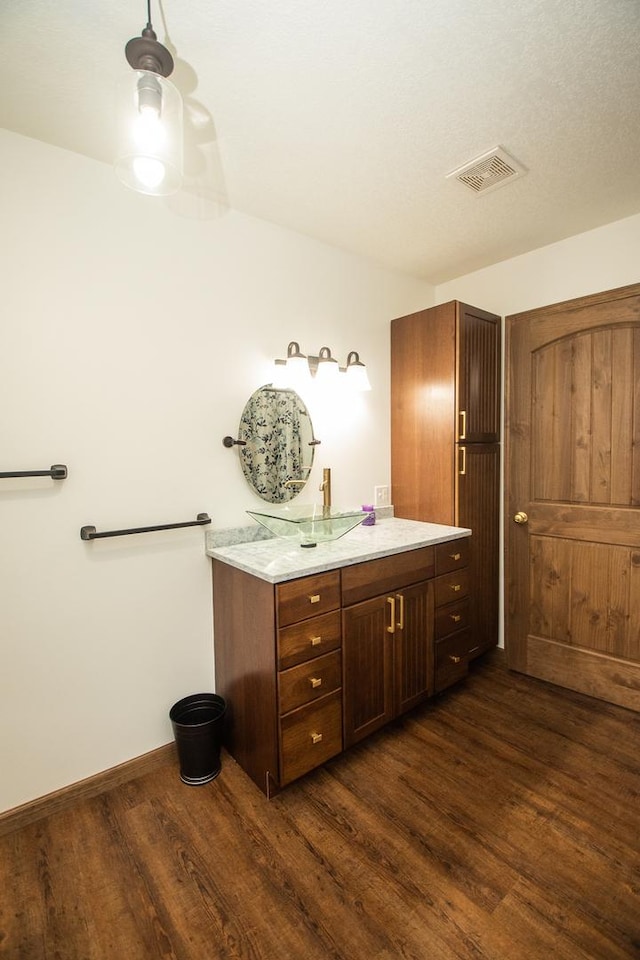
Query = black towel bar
x=57 y=471
x=90 y=533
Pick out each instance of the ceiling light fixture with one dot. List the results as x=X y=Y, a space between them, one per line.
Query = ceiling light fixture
x=298 y=369
x=149 y=157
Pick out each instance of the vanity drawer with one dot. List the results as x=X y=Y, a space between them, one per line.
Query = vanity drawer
x=452 y=659
x=310 y=736
x=307 y=597
x=452 y=555
x=310 y=638
x=309 y=681
x=450 y=619
x=362 y=581
x=452 y=586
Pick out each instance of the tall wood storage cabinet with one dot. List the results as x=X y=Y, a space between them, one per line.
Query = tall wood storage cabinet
x=445 y=439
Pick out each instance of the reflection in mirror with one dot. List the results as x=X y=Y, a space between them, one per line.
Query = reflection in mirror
x=278 y=434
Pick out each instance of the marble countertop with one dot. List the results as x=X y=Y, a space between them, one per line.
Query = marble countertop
x=277 y=560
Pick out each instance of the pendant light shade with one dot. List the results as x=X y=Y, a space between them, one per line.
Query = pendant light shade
x=149 y=113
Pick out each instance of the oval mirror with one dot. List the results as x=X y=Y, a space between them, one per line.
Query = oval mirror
x=277 y=455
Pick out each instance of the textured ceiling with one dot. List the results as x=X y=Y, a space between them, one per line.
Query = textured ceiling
x=341 y=119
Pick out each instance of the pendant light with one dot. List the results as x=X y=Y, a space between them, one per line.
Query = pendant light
x=149 y=157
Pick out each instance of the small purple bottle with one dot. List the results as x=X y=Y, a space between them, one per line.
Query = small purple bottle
x=370 y=520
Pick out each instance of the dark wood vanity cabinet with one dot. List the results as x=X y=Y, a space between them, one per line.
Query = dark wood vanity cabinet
x=310 y=666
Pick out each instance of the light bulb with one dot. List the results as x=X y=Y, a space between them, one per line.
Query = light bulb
x=149 y=172
x=328 y=368
x=149 y=95
x=149 y=156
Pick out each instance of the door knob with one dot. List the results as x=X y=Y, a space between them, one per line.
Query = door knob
x=521 y=517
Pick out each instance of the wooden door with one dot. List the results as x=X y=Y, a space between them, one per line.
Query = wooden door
x=367 y=652
x=414 y=645
x=573 y=495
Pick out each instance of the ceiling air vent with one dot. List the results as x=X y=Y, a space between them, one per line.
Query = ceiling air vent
x=488 y=172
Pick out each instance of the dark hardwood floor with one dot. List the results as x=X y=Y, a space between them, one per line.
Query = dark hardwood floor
x=500 y=821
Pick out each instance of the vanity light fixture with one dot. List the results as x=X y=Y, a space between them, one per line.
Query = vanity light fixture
x=149 y=117
x=356 y=373
x=327 y=370
x=298 y=369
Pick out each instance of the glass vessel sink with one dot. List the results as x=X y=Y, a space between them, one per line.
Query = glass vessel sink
x=307 y=523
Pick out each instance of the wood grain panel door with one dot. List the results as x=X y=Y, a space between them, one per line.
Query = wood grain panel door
x=414 y=645
x=572 y=502
x=478 y=351
x=477 y=507
x=367 y=658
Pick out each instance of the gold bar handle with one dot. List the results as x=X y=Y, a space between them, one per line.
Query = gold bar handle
x=314 y=598
x=392 y=602
x=462 y=465
x=455 y=617
x=316 y=737
x=315 y=682
x=400 y=599
x=455 y=556
x=455 y=659
x=456 y=587
x=315 y=641
x=463 y=425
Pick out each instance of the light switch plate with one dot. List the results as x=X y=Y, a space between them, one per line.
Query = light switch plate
x=381 y=496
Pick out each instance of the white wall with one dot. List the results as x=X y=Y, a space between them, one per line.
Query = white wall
x=130 y=340
x=601 y=259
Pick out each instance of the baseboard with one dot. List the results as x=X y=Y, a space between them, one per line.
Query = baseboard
x=59 y=800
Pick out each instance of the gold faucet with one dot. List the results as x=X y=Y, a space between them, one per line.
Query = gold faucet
x=325 y=487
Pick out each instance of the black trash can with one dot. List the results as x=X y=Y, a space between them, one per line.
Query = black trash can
x=198 y=725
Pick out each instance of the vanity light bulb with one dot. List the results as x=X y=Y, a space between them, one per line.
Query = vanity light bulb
x=298 y=371
x=328 y=368
x=356 y=373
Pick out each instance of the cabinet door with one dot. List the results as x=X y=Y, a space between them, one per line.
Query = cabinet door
x=477 y=507
x=478 y=381
x=414 y=645
x=367 y=656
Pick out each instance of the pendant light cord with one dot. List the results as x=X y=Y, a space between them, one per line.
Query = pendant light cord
x=149 y=27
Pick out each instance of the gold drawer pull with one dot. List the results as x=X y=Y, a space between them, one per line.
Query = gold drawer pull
x=316 y=737
x=315 y=682
x=314 y=598
x=455 y=617
x=455 y=659
x=315 y=641
x=392 y=625
x=455 y=556
x=400 y=622
x=456 y=587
